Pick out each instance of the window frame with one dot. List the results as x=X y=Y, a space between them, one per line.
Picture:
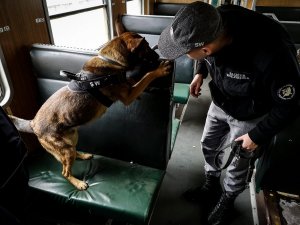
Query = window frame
x=5 y=83
x=105 y=4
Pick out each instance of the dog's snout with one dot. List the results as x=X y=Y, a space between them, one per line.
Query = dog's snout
x=156 y=55
x=153 y=56
x=145 y=53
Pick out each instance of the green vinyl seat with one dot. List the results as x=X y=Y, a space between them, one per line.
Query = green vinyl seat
x=181 y=93
x=117 y=189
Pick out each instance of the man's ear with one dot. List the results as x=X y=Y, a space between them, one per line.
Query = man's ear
x=135 y=43
x=207 y=50
x=120 y=29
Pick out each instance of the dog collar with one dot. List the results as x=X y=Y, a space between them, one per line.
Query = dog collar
x=110 y=61
x=74 y=86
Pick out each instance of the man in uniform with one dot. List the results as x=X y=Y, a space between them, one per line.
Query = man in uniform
x=255 y=83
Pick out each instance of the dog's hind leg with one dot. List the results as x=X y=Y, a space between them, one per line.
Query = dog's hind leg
x=73 y=135
x=67 y=162
x=66 y=154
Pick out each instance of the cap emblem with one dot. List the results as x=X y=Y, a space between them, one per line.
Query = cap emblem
x=200 y=44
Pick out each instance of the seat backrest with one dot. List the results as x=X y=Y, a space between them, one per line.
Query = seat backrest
x=293 y=27
x=167 y=9
x=289 y=17
x=140 y=132
x=282 y=13
x=278 y=168
x=150 y=27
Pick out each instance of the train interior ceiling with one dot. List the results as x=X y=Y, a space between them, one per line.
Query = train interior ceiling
x=145 y=154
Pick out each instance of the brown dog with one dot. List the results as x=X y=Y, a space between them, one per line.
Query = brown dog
x=56 y=122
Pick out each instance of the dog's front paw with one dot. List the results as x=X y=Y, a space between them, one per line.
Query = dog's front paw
x=164 y=69
x=87 y=156
x=84 y=156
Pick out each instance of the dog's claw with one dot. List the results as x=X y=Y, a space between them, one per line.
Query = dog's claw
x=84 y=156
x=82 y=186
x=164 y=68
x=88 y=156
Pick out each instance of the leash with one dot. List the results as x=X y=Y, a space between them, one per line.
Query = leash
x=234 y=152
x=237 y=152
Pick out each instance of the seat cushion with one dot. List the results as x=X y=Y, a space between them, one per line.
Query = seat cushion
x=181 y=93
x=117 y=189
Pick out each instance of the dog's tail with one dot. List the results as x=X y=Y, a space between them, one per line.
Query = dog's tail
x=21 y=124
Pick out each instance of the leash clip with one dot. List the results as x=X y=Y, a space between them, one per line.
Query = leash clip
x=72 y=76
x=237 y=151
x=234 y=156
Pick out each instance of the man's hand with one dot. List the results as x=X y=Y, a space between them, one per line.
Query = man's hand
x=247 y=144
x=195 y=86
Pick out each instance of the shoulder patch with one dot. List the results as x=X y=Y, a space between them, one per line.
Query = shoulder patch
x=286 y=92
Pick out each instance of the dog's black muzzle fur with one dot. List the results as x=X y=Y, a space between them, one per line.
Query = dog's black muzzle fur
x=144 y=59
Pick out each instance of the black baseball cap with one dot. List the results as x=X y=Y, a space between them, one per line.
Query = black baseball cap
x=194 y=25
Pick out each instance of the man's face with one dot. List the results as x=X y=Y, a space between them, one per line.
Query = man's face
x=197 y=53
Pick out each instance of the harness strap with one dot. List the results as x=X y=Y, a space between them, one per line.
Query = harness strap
x=101 y=97
x=86 y=82
x=96 y=93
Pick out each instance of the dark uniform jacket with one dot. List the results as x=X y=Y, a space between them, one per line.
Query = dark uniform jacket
x=257 y=74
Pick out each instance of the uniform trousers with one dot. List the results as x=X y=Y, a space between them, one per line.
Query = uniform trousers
x=221 y=129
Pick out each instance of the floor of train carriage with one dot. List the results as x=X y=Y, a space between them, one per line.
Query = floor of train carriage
x=185 y=170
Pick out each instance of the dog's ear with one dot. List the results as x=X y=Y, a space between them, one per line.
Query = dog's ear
x=136 y=42
x=120 y=29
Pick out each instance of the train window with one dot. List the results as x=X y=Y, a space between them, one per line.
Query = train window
x=134 y=7
x=5 y=84
x=79 y=23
